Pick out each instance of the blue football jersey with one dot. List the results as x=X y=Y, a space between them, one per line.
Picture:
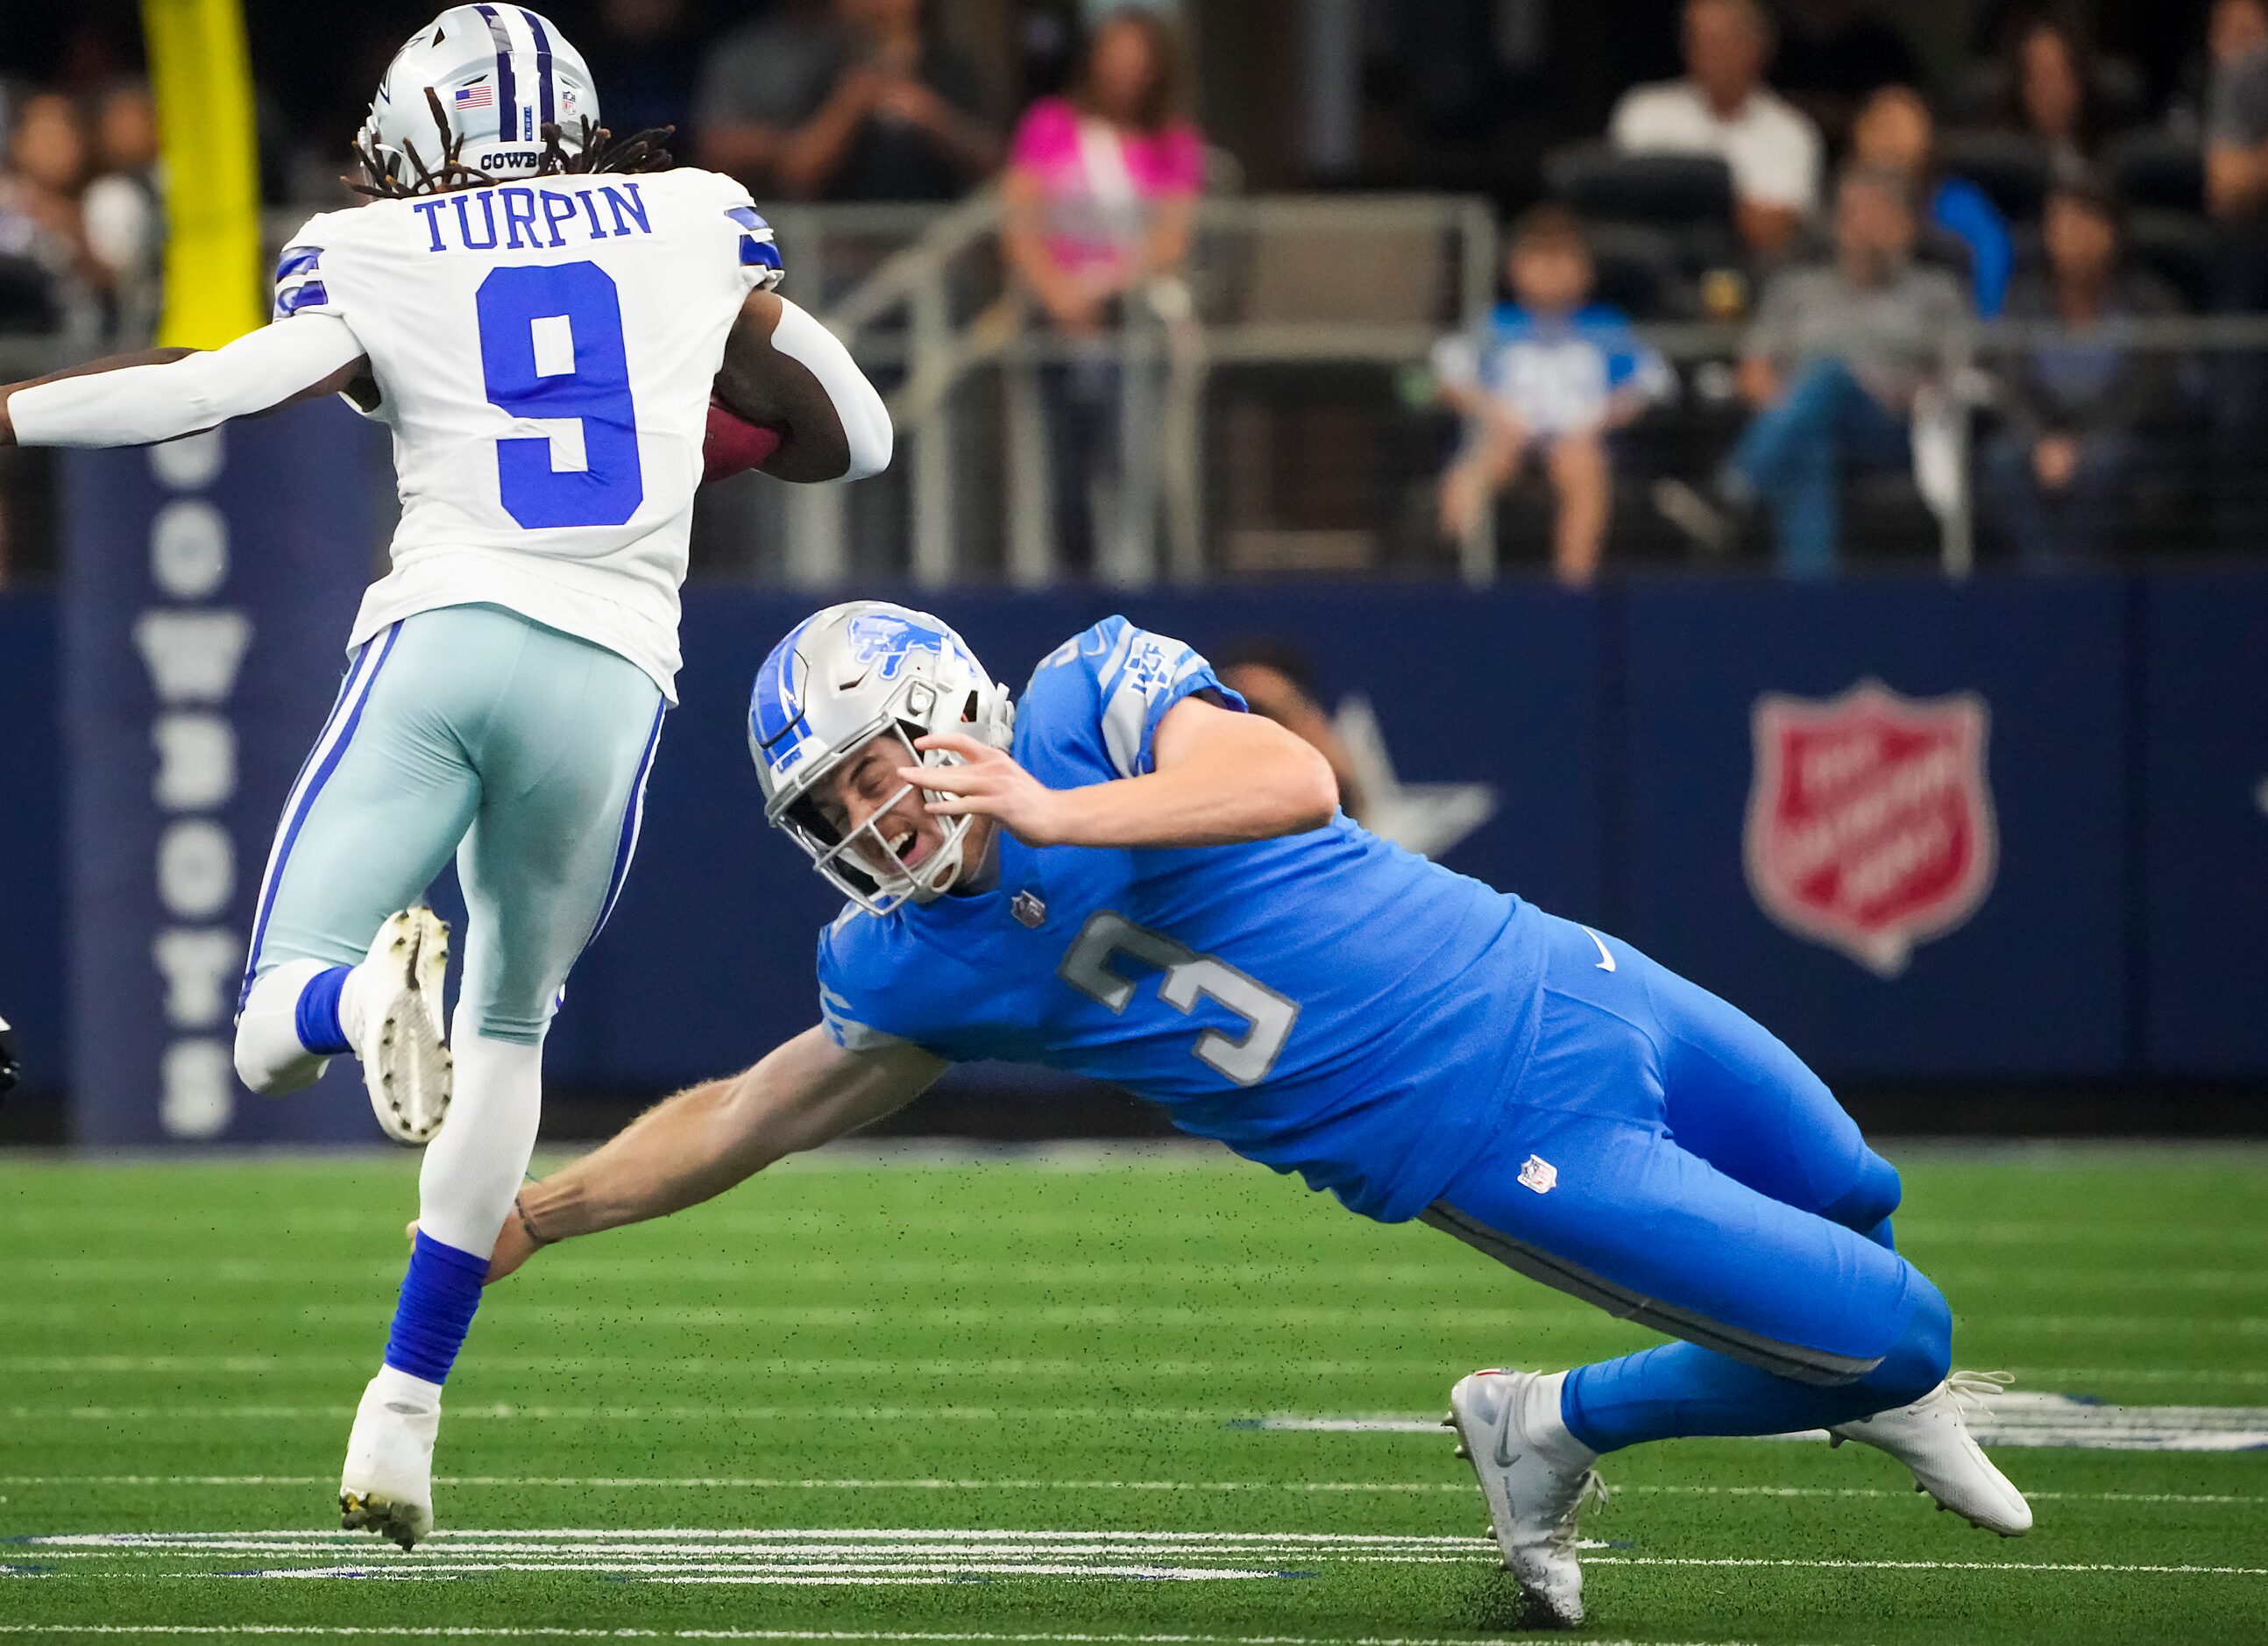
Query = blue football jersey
x=1325 y=1003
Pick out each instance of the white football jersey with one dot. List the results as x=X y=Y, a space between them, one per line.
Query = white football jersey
x=543 y=351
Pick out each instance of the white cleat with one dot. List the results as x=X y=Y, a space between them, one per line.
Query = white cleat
x=1532 y=1499
x=388 y=1484
x=1931 y=1439
x=406 y=1062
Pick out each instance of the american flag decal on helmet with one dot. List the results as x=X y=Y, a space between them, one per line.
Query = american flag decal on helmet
x=480 y=96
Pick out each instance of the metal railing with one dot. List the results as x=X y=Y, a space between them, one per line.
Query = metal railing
x=1274 y=282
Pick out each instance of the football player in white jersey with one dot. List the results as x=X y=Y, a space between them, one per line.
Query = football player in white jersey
x=541 y=315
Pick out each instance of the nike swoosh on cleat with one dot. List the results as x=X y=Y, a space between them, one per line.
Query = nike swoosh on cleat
x=1606 y=959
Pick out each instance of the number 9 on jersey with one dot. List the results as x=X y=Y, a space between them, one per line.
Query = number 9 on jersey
x=551 y=348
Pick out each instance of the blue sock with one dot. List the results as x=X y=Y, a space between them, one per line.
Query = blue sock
x=439 y=1296
x=1681 y=1389
x=317 y=1018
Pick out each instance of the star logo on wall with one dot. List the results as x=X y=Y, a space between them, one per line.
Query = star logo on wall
x=1427 y=818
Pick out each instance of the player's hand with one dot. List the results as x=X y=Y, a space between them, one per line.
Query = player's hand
x=513 y=1249
x=989 y=784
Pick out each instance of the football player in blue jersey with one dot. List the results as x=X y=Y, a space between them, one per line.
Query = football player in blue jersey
x=1124 y=876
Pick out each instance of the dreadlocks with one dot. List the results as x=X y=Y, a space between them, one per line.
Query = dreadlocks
x=645 y=150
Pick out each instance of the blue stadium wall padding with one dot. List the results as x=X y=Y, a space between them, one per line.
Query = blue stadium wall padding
x=2032 y=982
x=32 y=996
x=2204 y=823
x=2121 y=742
x=208 y=591
x=1503 y=690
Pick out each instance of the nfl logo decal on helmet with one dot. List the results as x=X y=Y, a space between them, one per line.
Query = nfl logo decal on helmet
x=840 y=678
x=1870 y=823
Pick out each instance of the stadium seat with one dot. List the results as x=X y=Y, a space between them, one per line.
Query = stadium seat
x=2156 y=169
x=2008 y=166
x=1601 y=182
x=1641 y=271
x=1685 y=201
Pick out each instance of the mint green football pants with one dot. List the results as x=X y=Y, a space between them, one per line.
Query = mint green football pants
x=474 y=731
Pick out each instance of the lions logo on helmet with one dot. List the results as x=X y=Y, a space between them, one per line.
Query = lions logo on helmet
x=842 y=678
x=501 y=74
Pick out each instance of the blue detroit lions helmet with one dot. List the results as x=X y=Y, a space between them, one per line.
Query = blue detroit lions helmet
x=840 y=678
x=502 y=74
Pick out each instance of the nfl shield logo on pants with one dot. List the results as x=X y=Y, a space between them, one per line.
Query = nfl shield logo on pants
x=1870 y=823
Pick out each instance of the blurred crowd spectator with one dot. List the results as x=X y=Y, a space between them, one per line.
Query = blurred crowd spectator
x=2052 y=83
x=80 y=221
x=1841 y=352
x=1097 y=205
x=1722 y=107
x=2057 y=469
x=1894 y=132
x=846 y=100
x=1553 y=375
x=1852 y=203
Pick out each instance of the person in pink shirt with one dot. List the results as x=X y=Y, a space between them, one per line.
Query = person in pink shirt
x=1097 y=204
x=1101 y=183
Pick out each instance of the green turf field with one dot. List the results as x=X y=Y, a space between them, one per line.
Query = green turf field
x=999 y=1401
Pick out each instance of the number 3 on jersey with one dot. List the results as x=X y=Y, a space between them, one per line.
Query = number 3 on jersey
x=551 y=348
x=1189 y=976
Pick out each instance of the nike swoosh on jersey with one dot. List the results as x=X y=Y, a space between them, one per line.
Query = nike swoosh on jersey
x=1606 y=959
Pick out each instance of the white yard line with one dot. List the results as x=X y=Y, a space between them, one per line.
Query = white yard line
x=2018 y=1418
x=753 y=1542
x=1928 y=1566
x=234 y=1412
x=805 y=1556
x=845 y=1573
x=776 y=1483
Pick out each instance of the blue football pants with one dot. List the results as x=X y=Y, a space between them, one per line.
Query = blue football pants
x=1668 y=1160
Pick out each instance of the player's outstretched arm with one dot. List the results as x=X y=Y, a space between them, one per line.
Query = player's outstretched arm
x=1221 y=778
x=701 y=1142
x=784 y=369
x=160 y=393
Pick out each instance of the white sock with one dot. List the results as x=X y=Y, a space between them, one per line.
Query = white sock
x=403 y=1392
x=270 y=1056
x=1549 y=1430
x=473 y=1170
x=350 y=1005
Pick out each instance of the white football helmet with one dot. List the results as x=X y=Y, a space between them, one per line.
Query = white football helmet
x=840 y=678
x=501 y=73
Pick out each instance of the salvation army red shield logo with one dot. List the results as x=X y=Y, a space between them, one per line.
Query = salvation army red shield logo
x=1870 y=823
